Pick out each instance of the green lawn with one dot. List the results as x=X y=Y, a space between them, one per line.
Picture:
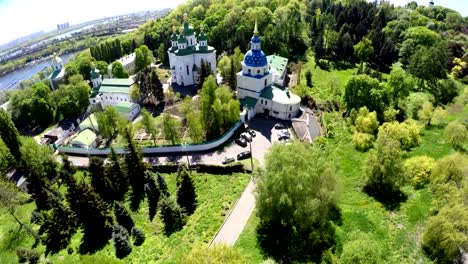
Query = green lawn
x=216 y=196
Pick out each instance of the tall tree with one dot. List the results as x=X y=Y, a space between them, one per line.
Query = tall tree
x=6 y=159
x=153 y=193
x=171 y=215
x=162 y=185
x=143 y=57
x=186 y=195
x=149 y=125
x=10 y=134
x=171 y=128
x=118 y=71
x=101 y=183
x=136 y=170
x=363 y=51
x=123 y=216
x=118 y=176
x=296 y=210
x=93 y=213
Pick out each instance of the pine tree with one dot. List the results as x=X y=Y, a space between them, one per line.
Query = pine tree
x=117 y=176
x=122 y=244
x=138 y=236
x=186 y=196
x=58 y=225
x=171 y=215
x=94 y=215
x=123 y=216
x=157 y=88
x=101 y=184
x=136 y=170
x=233 y=76
x=162 y=185
x=153 y=194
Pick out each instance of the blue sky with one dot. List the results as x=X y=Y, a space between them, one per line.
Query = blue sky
x=22 y=17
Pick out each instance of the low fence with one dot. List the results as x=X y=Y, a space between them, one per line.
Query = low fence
x=173 y=149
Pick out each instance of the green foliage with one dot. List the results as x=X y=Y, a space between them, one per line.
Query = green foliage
x=171 y=128
x=123 y=216
x=362 y=250
x=415 y=38
x=118 y=71
x=149 y=83
x=363 y=50
x=450 y=169
x=456 y=134
x=428 y=64
x=414 y=102
x=162 y=185
x=148 y=123
x=9 y=134
x=143 y=57
x=122 y=245
x=108 y=51
x=406 y=133
x=99 y=180
x=445 y=237
x=308 y=76
x=366 y=122
x=6 y=159
x=108 y=121
x=384 y=171
x=171 y=215
x=425 y=113
x=418 y=170
x=363 y=141
x=102 y=67
x=218 y=254
x=72 y=99
x=186 y=195
x=439 y=117
x=362 y=90
x=296 y=210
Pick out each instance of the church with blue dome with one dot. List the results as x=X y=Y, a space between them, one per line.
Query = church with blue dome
x=260 y=86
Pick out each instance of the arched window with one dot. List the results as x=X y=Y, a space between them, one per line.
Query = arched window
x=265 y=82
x=258 y=71
x=187 y=70
x=249 y=71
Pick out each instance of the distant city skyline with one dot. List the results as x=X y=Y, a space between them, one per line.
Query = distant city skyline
x=20 y=18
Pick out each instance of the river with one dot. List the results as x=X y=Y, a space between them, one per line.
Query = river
x=12 y=79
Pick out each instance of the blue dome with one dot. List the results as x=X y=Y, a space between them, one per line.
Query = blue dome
x=255 y=39
x=255 y=58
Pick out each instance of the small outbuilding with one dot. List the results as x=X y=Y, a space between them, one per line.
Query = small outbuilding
x=85 y=139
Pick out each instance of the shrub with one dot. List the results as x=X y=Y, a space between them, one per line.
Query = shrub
x=407 y=133
x=122 y=244
x=425 y=113
x=439 y=117
x=418 y=170
x=171 y=215
x=451 y=168
x=414 y=102
x=366 y=122
x=26 y=255
x=138 y=236
x=456 y=135
x=390 y=114
x=363 y=249
x=362 y=141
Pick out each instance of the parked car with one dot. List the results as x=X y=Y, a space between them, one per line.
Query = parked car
x=251 y=132
x=244 y=155
x=247 y=136
x=241 y=142
x=283 y=136
x=280 y=126
x=228 y=160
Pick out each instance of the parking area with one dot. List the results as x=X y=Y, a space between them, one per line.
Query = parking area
x=265 y=136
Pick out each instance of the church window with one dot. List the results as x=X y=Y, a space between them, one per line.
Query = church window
x=249 y=71
x=258 y=71
x=290 y=108
x=289 y=116
x=187 y=70
x=265 y=82
x=261 y=101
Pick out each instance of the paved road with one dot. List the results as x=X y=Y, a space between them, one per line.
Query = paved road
x=237 y=219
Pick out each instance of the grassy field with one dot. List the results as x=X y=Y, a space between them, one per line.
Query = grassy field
x=214 y=202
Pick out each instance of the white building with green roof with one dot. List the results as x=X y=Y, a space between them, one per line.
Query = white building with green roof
x=85 y=139
x=58 y=72
x=186 y=54
x=257 y=89
x=115 y=92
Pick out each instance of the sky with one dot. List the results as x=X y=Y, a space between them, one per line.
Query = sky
x=22 y=17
